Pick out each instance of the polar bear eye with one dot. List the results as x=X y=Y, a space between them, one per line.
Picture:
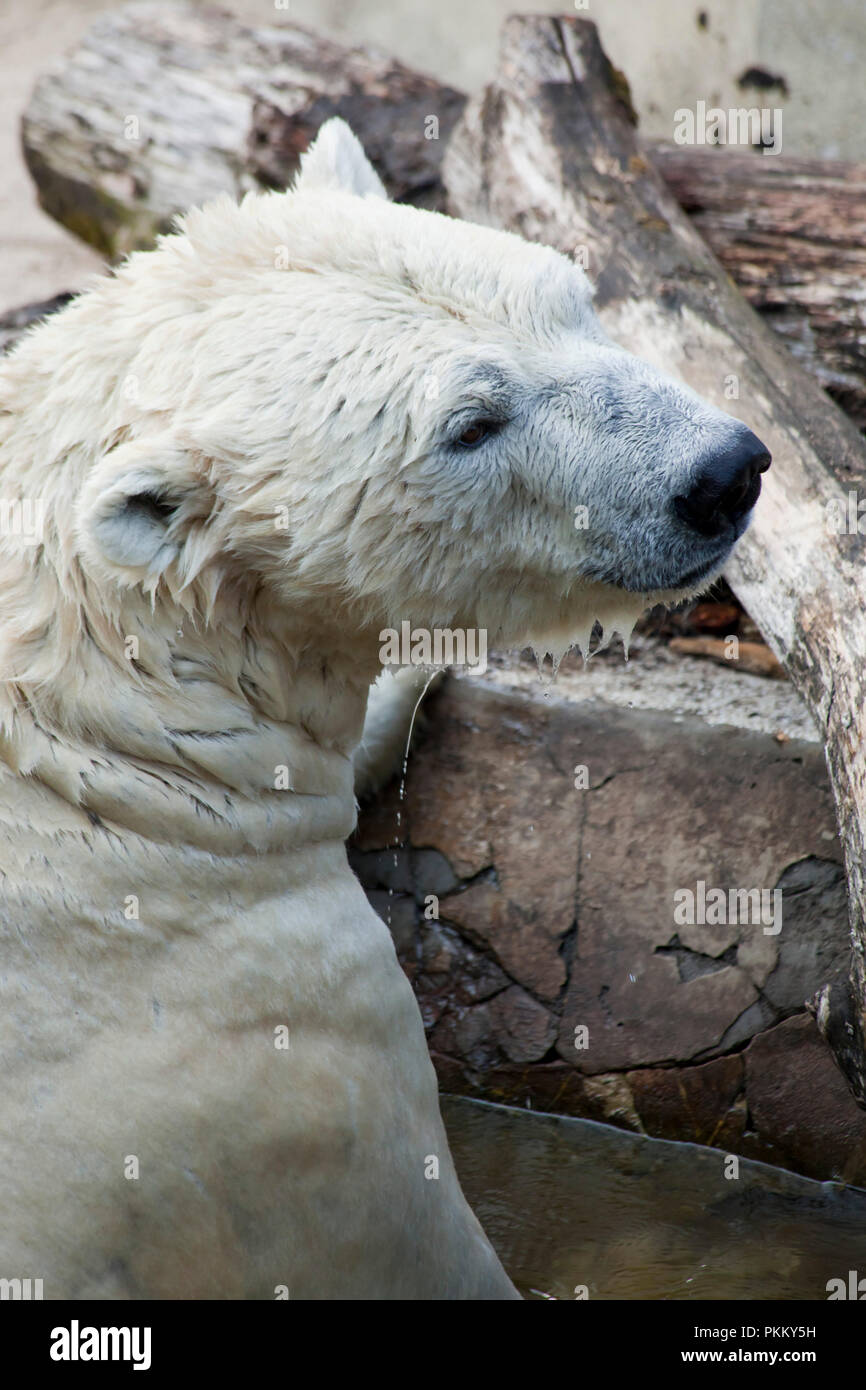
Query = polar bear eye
x=476 y=433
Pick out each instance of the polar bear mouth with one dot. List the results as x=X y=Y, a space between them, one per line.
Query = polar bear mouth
x=699 y=574
x=662 y=577
x=668 y=581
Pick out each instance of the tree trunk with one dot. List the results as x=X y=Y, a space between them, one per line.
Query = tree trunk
x=161 y=108
x=549 y=151
x=792 y=234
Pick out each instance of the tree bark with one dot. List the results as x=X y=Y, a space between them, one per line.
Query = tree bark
x=221 y=107
x=161 y=108
x=792 y=234
x=549 y=151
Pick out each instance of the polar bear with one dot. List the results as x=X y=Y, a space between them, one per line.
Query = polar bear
x=296 y=423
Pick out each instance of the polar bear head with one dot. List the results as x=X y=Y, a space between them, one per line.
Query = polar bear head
x=388 y=412
x=368 y=413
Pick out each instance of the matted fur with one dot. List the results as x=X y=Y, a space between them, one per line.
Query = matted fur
x=246 y=446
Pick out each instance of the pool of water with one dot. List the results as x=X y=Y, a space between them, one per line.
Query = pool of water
x=570 y=1204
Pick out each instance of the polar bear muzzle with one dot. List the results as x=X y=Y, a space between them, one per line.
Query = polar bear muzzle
x=726 y=489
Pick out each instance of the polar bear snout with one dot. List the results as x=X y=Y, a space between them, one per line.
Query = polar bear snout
x=725 y=489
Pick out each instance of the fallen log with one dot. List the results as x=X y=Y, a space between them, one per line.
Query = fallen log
x=754 y=657
x=792 y=234
x=162 y=107
x=549 y=150
x=14 y=322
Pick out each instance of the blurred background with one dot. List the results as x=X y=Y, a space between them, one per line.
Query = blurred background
x=805 y=56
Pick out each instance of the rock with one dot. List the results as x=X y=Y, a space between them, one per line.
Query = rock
x=398 y=913
x=557 y=911
x=811 y=948
x=699 y=1104
x=800 y=1106
x=405 y=870
x=525 y=1029
x=491 y=791
x=388 y=868
x=548 y=150
x=433 y=874
x=758 y=1015
x=675 y=808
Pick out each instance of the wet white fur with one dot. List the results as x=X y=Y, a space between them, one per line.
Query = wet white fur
x=245 y=446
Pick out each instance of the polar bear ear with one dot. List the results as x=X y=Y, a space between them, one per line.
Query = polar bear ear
x=336 y=161
x=136 y=508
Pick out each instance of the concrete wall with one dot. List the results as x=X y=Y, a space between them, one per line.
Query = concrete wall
x=674 y=52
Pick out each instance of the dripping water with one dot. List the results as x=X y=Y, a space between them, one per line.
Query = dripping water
x=402 y=796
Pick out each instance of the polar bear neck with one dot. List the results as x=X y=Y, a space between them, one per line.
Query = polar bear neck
x=204 y=713
x=227 y=734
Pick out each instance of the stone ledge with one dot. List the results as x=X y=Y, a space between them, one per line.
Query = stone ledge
x=556 y=913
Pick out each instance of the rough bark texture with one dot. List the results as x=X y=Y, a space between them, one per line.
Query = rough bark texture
x=162 y=107
x=549 y=150
x=792 y=234
x=223 y=107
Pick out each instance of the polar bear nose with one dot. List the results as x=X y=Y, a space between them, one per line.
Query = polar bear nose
x=726 y=487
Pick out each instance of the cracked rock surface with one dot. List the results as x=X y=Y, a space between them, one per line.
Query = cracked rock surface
x=538 y=911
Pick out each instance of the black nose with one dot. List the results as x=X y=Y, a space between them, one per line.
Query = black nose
x=726 y=488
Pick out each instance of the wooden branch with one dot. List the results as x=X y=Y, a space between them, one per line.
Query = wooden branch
x=223 y=107
x=162 y=107
x=792 y=234
x=549 y=150
x=754 y=657
x=15 y=321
